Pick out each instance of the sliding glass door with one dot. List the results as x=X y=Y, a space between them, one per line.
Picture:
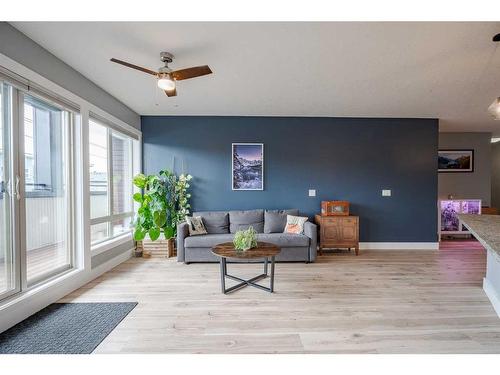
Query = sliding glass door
x=9 y=273
x=47 y=200
x=36 y=211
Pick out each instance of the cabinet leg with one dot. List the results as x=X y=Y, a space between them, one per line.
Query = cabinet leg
x=320 y=250
x=356 y=249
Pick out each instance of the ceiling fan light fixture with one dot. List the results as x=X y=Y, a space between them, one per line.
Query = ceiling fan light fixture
x=166 y=77
x=165 y=82
x=494 y=108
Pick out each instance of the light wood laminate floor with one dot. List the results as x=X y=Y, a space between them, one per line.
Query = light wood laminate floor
x=379 y=302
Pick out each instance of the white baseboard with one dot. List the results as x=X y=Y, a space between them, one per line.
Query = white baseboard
x=26 y=304
x=492 y=295
x=110 y=264
x=399 y=245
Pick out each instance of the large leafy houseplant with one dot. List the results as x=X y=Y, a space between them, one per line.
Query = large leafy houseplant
x=163 y=203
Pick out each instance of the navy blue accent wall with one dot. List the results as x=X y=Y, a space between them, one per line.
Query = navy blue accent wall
x=349 y=159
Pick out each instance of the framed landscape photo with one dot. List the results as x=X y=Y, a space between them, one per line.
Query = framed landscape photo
x=247 y=166
x=456 y=161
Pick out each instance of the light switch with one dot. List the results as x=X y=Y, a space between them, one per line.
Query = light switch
x=312 y=192
x=386 y=193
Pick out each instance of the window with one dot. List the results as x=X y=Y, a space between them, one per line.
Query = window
x=98 y=162
x=37 y=241
x=47 y=186
x=43 y=131
x=111 y=169
x=41 y=157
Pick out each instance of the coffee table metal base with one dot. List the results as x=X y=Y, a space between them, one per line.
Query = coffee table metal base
x=243 y=283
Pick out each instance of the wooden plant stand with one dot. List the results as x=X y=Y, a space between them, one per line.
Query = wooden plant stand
x=157 y=249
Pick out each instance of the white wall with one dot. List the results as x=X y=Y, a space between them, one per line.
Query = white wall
x=25 y=51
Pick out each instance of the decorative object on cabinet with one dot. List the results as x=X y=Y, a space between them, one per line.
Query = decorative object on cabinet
x=448 y=221
x=335 y=208
x=456 y=161
x=338 y=232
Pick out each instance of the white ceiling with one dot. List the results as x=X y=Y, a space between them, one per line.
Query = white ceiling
x=438 y=70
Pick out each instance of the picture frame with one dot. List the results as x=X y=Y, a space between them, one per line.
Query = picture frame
x=456 y=161
x=247 y=166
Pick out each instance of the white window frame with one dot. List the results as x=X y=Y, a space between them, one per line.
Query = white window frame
x=18 y=216
x=22 y=304
x=102 y=245
x=70 y=180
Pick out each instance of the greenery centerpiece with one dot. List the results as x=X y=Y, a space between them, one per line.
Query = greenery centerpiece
x=245 y=239
x=163 y=203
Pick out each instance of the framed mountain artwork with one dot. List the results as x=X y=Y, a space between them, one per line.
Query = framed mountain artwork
x=247 y=166
x=456 y=161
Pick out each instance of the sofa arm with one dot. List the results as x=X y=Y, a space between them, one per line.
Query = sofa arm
x=311 y=231
x=182 y=233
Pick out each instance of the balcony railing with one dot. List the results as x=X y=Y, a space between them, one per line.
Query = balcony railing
x=47 y=214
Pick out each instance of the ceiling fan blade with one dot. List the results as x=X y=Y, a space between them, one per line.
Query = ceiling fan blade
x=145 y=70
x=171 y=92
x=196 y=71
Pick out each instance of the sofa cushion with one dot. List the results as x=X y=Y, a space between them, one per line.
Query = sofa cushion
x=275 y=220
x=284 y=239
x=207 y=240
x=279 y=239
x=216 y=222
x=242 y=220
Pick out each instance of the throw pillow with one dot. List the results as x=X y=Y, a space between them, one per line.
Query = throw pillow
x=195 y=225
x=295 y=224
x=275 y=220
x=242 y=220
x=216 y=222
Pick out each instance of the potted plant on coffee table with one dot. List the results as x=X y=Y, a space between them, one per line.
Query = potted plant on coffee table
x=163 y=203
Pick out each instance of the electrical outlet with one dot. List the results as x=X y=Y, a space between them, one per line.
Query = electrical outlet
x=386 y=193
x=312 y=192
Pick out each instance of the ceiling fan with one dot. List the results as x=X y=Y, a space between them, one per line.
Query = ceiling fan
x=166 y=76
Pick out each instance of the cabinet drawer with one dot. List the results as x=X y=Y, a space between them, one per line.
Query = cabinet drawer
x=329 y=220
x=349 y=220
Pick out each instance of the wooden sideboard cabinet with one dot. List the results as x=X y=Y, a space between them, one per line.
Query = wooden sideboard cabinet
x=338 y=232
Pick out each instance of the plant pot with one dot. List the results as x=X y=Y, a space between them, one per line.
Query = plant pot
x=171 y=251
x=245 y=249
x=157 y=249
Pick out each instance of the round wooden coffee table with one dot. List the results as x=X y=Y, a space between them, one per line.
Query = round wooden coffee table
x=263 y=250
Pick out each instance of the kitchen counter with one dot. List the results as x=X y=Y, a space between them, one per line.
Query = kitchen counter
x=486 y=228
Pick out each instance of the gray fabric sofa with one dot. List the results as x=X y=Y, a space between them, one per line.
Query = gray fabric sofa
x=269 y=225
